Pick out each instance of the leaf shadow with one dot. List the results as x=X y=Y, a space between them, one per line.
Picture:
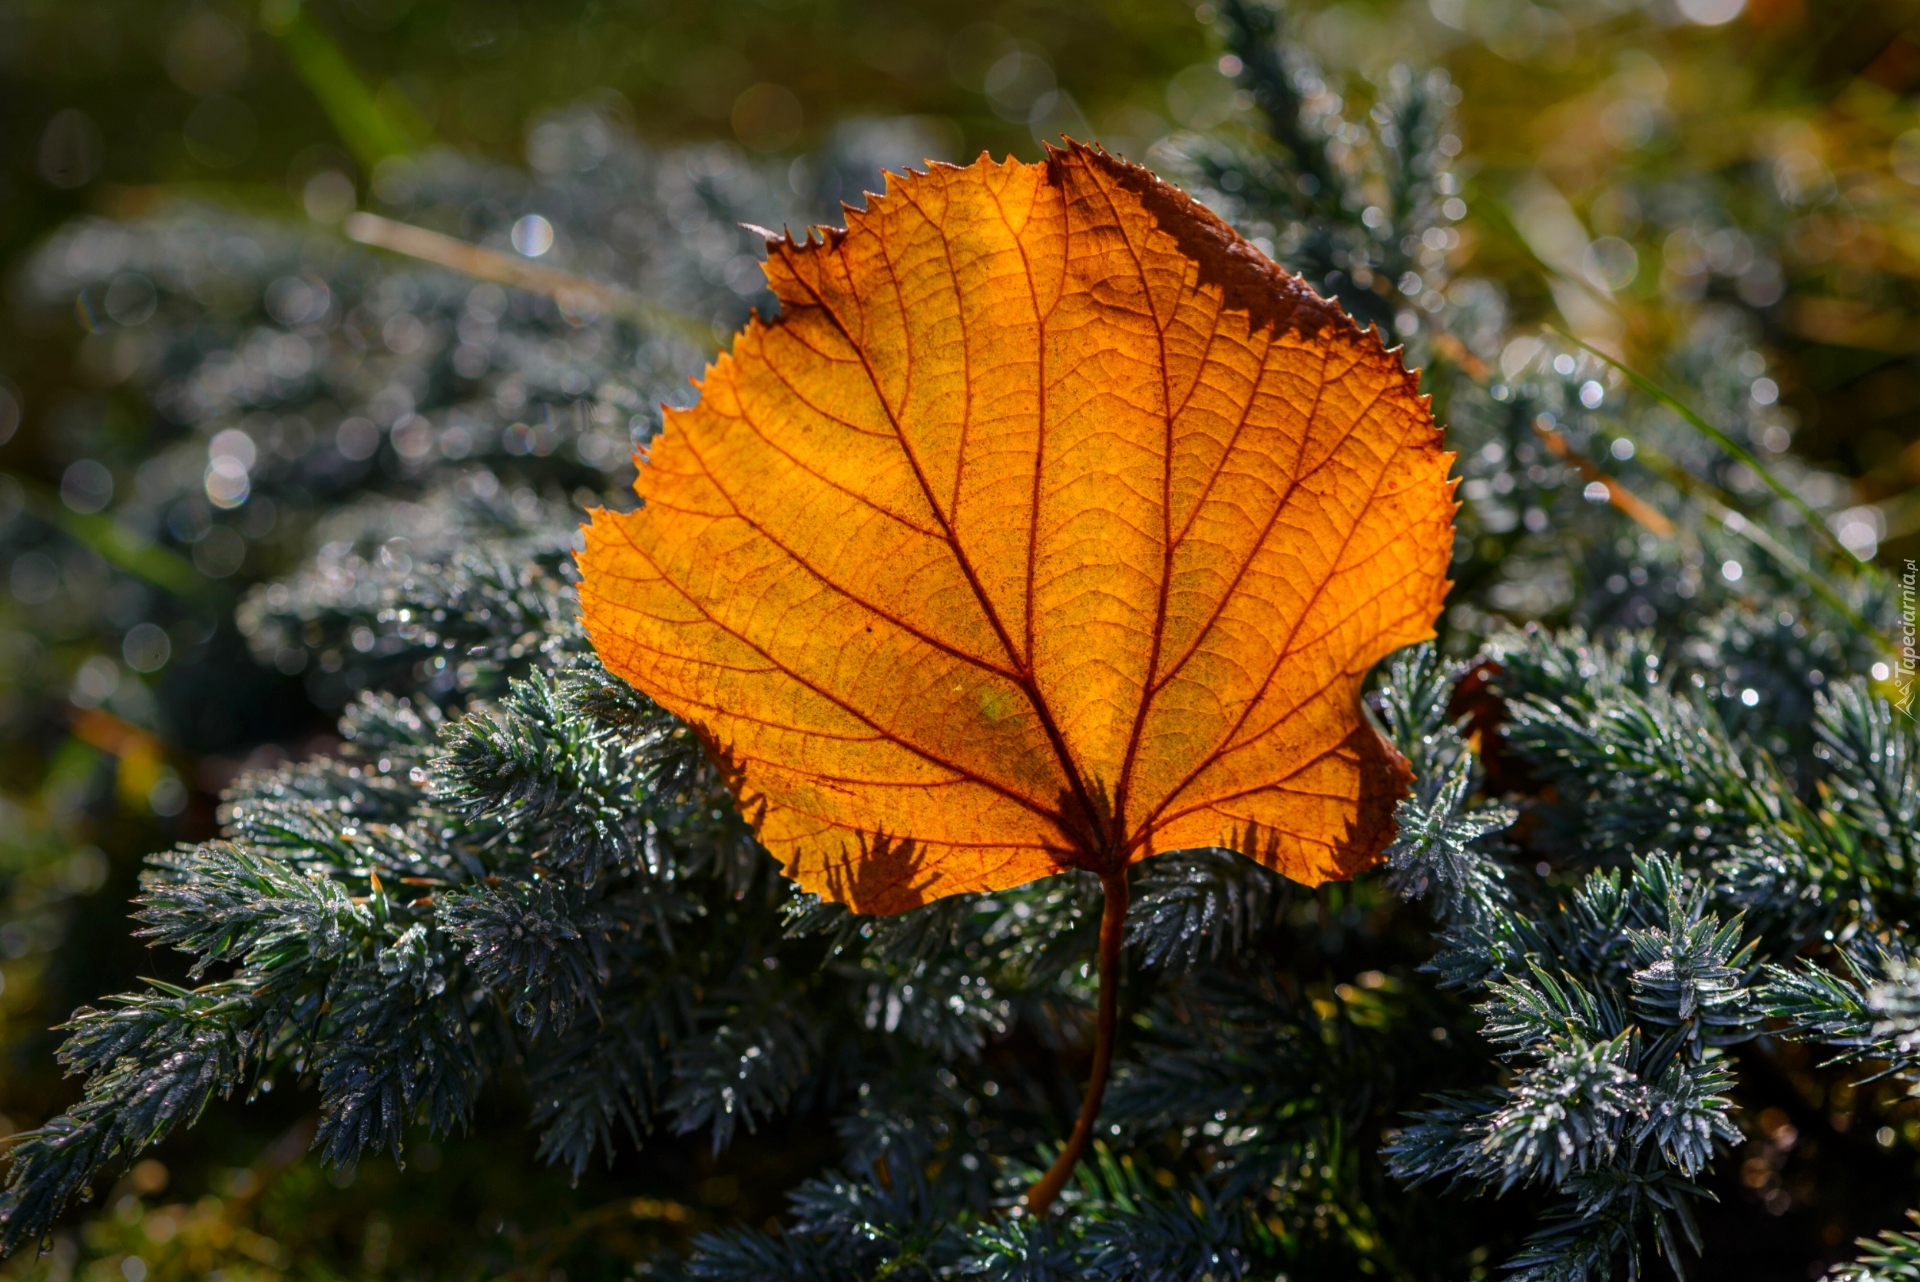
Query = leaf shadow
x=1385 y=779
x=884 y=876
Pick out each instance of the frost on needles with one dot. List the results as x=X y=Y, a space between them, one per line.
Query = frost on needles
x=1652 y=836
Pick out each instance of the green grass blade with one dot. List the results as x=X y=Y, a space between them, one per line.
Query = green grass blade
x=1715 y=504
x=1758 y=535
x=1725 y=442
x=119 y=545
x=371 y=130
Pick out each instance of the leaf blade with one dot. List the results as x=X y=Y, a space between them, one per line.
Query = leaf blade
x=1049 y=526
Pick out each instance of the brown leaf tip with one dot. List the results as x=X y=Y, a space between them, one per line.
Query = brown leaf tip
x=1250 y=281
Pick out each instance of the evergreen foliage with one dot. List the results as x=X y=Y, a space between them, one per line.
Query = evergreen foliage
x=1637 y=834
x=1893 y=1256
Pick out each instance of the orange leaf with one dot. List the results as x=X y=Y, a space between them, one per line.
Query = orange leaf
x=1050 y=525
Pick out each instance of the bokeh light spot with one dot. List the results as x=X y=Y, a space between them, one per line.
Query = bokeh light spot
x=146 y=647
x=532 y=236
x=1711 y=13
x=86 y=486
x=227 y=482
x=328 y=196
x=356 y=438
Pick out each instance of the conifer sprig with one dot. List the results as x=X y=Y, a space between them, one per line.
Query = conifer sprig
x=1672 y=810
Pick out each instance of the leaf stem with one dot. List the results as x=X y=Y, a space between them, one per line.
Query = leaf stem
x=1113 y=923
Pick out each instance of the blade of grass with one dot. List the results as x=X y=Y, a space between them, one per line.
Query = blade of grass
x=1738 y=451
x=1485 y=201
x=1717 y=511
x=119 y=545
x=576 y=294
x=1641 y=511
x=1720 y=513
x=1711 y=500
x=1758 y=535
x=372 y=130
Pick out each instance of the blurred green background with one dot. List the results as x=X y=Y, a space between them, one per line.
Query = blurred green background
x=1588 y=127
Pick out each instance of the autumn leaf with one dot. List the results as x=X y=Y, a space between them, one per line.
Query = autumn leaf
x=1050 y=525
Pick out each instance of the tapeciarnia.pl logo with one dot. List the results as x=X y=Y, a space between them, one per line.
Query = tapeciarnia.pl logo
x=1906 y=655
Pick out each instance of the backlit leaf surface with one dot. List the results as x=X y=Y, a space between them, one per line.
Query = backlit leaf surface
x=1050 y=525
